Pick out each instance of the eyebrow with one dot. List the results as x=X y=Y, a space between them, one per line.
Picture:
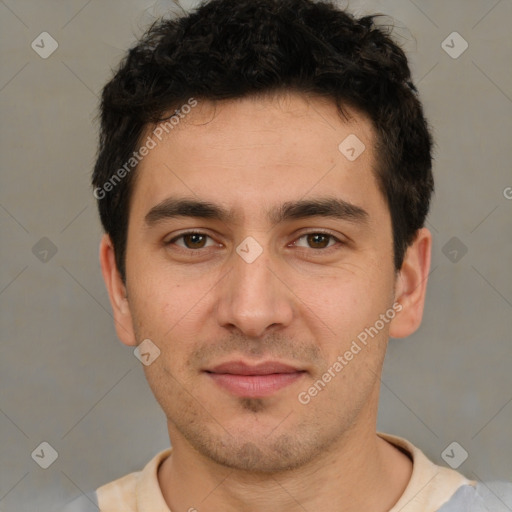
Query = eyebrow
x=328 y=207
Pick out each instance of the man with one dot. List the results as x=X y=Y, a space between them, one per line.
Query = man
x=263 y=179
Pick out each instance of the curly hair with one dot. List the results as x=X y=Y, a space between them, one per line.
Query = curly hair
x=228 y=49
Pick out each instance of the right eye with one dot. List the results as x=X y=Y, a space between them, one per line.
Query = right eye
x=192 y=240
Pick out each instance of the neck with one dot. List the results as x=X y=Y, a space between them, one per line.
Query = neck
x=360 y=472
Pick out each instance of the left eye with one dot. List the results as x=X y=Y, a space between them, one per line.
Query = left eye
x=193 y=240
x=318 y=240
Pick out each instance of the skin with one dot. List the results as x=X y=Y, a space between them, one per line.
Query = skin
x=302 y=302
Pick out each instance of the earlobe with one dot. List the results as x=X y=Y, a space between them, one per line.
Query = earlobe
x=411 y=285
x=117 y=292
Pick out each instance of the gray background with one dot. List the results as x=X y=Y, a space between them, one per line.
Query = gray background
x=67 y=380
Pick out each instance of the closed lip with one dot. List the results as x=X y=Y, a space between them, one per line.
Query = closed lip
x=242 y=368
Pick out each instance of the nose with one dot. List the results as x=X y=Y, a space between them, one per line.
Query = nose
x=254 y=297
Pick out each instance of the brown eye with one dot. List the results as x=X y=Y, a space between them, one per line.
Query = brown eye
x=194 y=241
x=318 y=240
x=191 y=240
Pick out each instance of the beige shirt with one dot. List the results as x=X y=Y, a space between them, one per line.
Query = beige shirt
x=429 y=488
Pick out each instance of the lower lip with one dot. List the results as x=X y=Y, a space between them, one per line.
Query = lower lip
x=255 y=386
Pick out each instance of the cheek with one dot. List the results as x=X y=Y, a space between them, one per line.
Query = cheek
x=167 y=313
x=154 y=305
x=339 y=310
x=347 y=300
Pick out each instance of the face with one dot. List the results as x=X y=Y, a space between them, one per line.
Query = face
x=258 y=300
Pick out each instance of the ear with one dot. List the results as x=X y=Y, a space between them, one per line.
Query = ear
x=117 y=292
x=411 y=285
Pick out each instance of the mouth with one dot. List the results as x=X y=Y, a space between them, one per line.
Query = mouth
x=254 y=381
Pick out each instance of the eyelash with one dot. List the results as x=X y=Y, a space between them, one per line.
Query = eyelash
x=325 y=233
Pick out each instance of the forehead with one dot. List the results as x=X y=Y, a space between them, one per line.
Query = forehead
x=256 y=153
